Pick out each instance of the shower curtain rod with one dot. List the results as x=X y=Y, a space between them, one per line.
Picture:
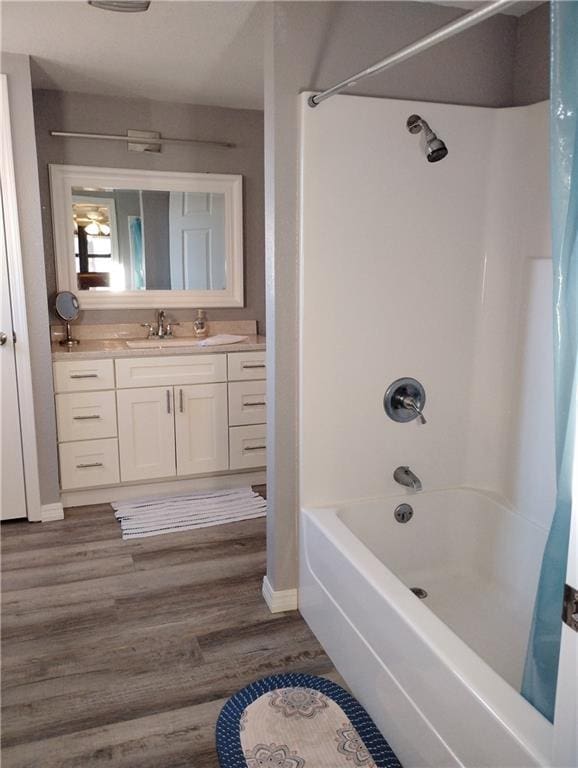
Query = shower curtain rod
x=441 y=34
x=141 y=139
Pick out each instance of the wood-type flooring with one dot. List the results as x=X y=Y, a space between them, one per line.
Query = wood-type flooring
x=121 y=654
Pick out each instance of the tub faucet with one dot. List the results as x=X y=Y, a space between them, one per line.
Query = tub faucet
x=404 y=476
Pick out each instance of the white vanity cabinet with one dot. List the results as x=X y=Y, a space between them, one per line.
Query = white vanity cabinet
x=247 y=410
x=165 y=417
x=86 y=423
x=201 y=429
x=146 y=432
x=172 y=431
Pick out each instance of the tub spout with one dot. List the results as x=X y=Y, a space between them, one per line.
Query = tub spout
x=404 y=476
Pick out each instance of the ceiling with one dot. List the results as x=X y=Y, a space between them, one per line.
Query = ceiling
x=190 y=52
x=185 y=51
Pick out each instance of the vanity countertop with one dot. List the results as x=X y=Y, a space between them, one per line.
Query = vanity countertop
x=94 y=349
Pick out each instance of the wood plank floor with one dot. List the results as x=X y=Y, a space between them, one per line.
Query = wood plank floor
x=121 y=654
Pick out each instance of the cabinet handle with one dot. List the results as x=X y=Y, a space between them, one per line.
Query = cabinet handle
x=253 y=405
x=255 y=448
x=85 y=418
x=253 y=365
x=168 y=400
x=84 y=375
x=86 y=466
x=181 y=404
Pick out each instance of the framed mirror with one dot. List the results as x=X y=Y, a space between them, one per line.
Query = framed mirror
x=132 y=238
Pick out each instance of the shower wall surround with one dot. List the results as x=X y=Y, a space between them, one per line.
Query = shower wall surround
x=441 y=266
x=441 y=272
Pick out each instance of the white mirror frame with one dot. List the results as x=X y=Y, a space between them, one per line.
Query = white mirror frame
x=64 y=177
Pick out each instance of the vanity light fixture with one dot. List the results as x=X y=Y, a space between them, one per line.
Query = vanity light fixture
x=143 y=141
x=92 y=229
x=122 y=6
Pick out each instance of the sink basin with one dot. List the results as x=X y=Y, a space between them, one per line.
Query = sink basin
x=220 y=339
x=159 y=343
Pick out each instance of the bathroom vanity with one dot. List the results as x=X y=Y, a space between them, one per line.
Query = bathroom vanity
x=129 y=417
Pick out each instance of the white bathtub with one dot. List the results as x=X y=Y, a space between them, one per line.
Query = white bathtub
x=440 y=676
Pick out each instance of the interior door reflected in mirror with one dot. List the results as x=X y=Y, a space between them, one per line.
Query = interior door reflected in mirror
x=136 y=240
x=127 y=238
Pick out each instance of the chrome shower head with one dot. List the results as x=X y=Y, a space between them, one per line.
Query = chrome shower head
x=436 y=149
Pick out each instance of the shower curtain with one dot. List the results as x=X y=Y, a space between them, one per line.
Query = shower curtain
x=540 y=673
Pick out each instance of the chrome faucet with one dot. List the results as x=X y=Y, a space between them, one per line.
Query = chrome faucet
x=404 y=476
x=409 y=402
x=162 y=331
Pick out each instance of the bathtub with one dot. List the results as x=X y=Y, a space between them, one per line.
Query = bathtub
x=439 y=675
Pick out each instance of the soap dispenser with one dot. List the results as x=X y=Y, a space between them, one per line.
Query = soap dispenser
x=200 y=324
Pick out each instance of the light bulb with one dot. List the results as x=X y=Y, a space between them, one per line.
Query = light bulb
x=92 y=228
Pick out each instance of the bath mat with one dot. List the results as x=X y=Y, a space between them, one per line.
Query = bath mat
x=156 y=515
x=299 y=721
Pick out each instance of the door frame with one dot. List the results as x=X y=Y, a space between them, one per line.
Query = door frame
x=18 y=303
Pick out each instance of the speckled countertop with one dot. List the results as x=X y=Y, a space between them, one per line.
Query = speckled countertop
x=94 y=349
x=106 y=341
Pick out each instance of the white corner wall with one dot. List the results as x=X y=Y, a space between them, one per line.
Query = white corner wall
x=426 y=270
x=511 y=437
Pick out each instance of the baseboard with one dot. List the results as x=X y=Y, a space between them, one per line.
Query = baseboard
x=280 y=600
x=136 y=490
x=51 y=512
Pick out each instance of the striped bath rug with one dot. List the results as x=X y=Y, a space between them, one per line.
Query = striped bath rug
x=152 y=516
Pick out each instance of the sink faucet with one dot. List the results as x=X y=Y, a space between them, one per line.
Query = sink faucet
x=161 y=331
x=404 y=476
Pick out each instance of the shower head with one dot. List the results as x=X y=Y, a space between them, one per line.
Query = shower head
x=436 y=149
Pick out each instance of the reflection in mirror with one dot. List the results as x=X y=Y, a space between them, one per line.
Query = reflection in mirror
x=136 y=240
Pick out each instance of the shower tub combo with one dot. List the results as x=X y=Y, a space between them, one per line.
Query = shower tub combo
x=440 y=673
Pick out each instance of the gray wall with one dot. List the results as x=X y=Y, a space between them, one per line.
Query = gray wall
x=17 y=69
x=532 y=57
x=55 y=110
x=155 y=209
x=312 y=46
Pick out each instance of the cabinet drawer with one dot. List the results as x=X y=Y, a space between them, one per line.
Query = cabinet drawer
x=244 y=366
x=83 y=375
x=248 y=447
x=85 y=415
x=88 y=463
x=247 y=404
x=166 y=371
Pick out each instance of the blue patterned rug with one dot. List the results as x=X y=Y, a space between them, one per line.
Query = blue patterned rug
x=299 y=721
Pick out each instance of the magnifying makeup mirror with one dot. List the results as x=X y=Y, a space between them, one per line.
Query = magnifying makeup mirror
x=67 y=308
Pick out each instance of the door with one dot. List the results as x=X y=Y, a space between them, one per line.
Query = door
x=197 y=240
x=201 y=421
x=13 y=489
x=146 y=433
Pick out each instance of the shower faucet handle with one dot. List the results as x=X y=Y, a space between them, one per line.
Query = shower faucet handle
x=409 y=402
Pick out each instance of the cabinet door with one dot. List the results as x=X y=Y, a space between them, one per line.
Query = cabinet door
x=201 y=428
x=146 y=433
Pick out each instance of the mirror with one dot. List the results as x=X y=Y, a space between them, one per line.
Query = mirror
x=67 y=305
x=67 y=308
x=145 y=238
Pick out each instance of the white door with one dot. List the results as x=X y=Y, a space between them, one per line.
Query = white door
x=146 y=433
x=12 y=487
x=201 y=428
x=197 y=240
